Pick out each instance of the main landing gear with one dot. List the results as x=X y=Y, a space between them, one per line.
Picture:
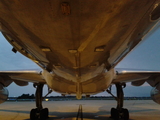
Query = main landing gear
x=119 y=111
x=39 y=112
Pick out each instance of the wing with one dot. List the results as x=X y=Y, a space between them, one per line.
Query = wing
x=21 y=77
x=137 y=76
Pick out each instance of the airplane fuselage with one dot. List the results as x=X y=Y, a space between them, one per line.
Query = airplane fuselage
x=77 y=43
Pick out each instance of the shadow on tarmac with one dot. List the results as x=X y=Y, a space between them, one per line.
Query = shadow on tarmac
x=101 y=115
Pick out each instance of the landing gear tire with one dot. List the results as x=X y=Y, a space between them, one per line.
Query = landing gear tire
x=33 y=114
x=44 y=114
x=125 y=114
x=114 y=114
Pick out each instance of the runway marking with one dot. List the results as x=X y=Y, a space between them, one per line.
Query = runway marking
x=80 y=113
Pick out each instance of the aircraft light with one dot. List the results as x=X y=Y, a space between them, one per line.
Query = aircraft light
x=100 y=49
x=45 y=49
x=66 y=10
x=72 y=51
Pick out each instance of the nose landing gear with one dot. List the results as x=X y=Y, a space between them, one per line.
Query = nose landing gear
x=119 y=111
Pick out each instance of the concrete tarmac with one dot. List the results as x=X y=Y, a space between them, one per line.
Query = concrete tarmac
x=91 y=109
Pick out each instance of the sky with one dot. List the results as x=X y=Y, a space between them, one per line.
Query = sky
x=145 y=55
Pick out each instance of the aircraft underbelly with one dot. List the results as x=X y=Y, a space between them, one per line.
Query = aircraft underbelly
x=92 y=86
x=76 y=40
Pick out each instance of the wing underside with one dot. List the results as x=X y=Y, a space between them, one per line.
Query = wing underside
x=137 y=76
x=21 y=77
x=92 y=86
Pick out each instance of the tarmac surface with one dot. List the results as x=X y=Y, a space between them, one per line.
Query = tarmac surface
x=81 y=109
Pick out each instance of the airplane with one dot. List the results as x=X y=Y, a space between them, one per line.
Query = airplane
x=77 y=44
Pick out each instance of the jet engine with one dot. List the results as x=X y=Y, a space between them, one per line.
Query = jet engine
x=155 y=93
x=3 y=93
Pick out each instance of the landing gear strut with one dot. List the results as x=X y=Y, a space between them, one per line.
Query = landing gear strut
x=119 y=111
x=39 y=112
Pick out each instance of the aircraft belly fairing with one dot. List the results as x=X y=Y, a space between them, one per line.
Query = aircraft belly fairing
x=92 y=86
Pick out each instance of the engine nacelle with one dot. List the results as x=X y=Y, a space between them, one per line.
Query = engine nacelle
x=155 y=93
x=3 y=93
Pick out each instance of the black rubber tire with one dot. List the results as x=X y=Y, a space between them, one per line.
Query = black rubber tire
x=33 y=114
x=114 y=114
x=42 y=114
x=46 y=112
x=125 y=114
